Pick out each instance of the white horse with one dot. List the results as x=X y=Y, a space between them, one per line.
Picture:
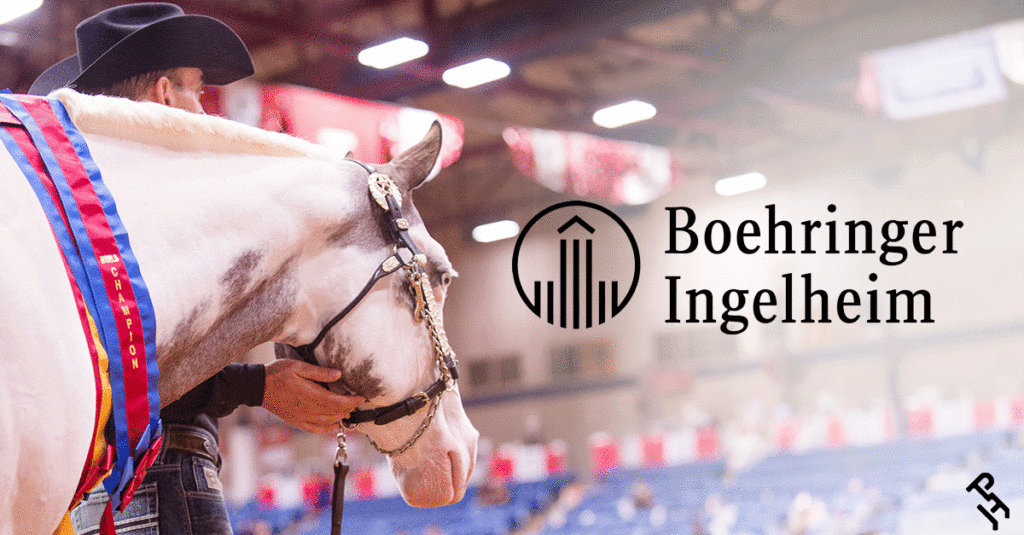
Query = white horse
x=243 y=237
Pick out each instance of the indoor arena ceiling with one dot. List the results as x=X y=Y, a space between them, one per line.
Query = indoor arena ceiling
x=734 y=81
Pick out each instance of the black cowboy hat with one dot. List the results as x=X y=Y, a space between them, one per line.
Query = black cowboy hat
x=126 y=41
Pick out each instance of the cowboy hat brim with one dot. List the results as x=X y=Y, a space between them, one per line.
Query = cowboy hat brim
x=57 y=76
x=183 y=41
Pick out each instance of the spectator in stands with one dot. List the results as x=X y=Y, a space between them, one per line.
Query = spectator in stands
x=434 y=529
x=743 y=446
x=858 y=508
x=869 y=513
x=721 y=514
x=848 y=507
x=642 y=495
x=640 y=498
x=493 y=492
x=259 y=527
x=809 y=516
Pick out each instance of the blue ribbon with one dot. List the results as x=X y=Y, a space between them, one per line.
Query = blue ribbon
x=78 y=252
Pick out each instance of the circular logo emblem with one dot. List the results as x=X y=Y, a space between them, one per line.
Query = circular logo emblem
x=586 y=286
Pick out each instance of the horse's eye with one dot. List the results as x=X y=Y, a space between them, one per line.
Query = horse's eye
x=446 y=279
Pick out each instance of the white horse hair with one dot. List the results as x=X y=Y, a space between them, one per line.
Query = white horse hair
x=172 y=128
x=243 y=236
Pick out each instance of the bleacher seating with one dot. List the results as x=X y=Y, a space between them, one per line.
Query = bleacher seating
x=387 y=516
x=679 y=490
x=910 y=485
x=762 y=495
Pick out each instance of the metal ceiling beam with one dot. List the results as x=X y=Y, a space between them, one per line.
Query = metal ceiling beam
x=660 y=56
x=296 y=23
x=247 y=19
x=515 y=32
x=346 y=8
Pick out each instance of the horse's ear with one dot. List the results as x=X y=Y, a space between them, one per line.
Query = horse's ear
x=414 y=164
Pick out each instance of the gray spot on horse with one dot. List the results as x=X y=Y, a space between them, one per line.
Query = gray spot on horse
x=238 y=276
x=187 y=330
x=355 y=379
x=359 y=380
x=336 y=349
x=246 y=319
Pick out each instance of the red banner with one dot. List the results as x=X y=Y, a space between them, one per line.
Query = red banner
x=373 y=132
x=608 y=170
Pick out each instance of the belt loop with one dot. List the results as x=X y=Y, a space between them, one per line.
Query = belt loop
x=161 y=457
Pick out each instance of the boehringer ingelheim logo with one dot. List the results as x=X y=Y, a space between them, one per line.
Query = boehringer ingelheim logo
x=586 y=285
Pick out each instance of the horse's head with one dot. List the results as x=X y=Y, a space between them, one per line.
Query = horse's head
x=375 y=277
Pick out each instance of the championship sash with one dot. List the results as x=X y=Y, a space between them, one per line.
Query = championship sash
x=112 y=299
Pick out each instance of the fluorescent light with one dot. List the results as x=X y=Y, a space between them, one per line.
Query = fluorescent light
x=740 y=184
x=9 y=38
x=393 y=53
x=499 y=230
x=624 y=113
x=475 y=73
x=12 y=9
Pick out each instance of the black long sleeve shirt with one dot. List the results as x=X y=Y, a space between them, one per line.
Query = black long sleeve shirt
x=218 y=396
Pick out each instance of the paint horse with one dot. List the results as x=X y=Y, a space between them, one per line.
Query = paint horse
x=243 y=237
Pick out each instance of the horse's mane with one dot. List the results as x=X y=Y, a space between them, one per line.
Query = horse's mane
x=174 y=129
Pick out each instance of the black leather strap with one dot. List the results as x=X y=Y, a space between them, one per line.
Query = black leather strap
x=338 y=497
x=306 y=351
x=407 y=407
x=412 y=404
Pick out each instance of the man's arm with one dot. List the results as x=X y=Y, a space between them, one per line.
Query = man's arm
x=287 y=388
x=218 y=396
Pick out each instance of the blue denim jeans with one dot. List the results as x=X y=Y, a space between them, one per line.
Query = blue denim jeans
x=180 y=495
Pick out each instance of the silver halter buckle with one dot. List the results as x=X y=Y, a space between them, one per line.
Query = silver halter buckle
x=380 y=187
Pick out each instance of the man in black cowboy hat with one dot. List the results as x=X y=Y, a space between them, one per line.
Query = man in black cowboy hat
x=154 y=52
x=133 y=41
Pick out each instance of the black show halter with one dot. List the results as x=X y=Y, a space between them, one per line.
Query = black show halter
x=387 y=195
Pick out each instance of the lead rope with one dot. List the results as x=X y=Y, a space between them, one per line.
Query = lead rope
x=340 y=471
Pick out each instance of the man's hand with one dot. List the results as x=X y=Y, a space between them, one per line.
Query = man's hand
x=292 y=393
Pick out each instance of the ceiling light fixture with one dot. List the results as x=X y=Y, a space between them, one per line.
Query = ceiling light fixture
x=475 y=73
x=9 y=38
x=740 y=184
x=498 y=230
x=12 y=9
x=394 y=52
x=624 y=113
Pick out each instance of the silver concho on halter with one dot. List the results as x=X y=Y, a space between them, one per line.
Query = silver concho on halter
x=380 y=187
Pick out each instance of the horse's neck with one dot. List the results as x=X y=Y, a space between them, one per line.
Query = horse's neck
x=217 y=239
